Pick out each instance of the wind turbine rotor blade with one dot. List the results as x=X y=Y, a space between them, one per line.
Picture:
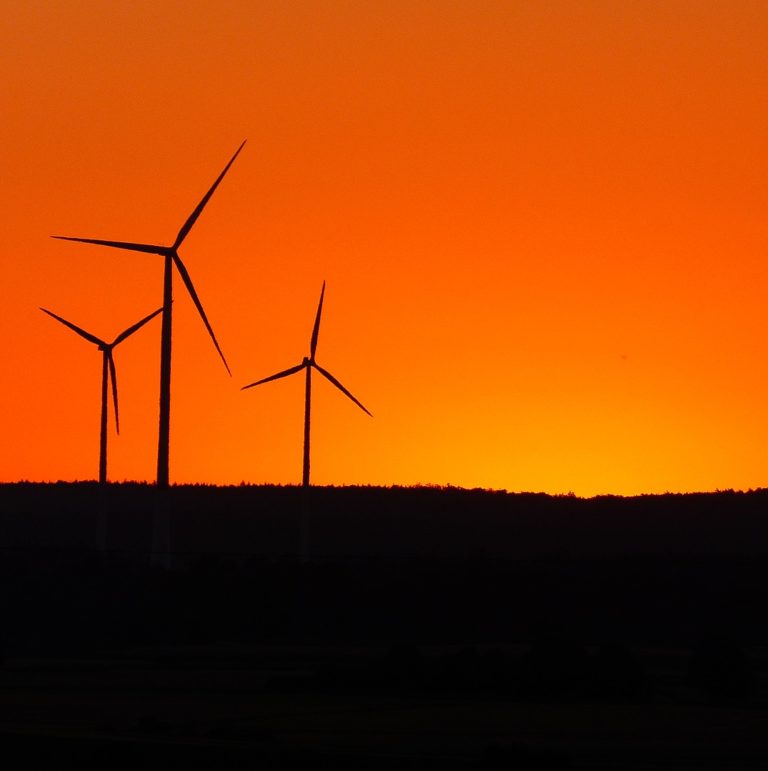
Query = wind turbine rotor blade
x=138 y=325
x=196 y=300
x=113 y=378
x=284 y=373
x=131 y=247
x=339 y=386
x=187 y=226
x=87 y=335
x=316 y=328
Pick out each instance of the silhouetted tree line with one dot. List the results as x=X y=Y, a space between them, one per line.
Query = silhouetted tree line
x=579 y=584
x=396 y=522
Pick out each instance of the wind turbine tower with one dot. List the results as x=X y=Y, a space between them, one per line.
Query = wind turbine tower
x=308 y=364
x=108 y=374
x=171 y=259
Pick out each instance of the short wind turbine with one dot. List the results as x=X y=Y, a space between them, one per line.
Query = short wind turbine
x=171 y=255
x=108 y=373
x=309 y=364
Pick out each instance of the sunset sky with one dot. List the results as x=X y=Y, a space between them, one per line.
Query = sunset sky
x=543 y=227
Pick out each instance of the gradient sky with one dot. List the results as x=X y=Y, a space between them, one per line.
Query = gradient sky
x=543 y=227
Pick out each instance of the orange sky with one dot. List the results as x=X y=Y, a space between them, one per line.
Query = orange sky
x=543 y=228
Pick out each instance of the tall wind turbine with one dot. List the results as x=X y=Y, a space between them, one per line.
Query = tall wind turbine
x=308 y=364
x=171 y=255
x=108 y=373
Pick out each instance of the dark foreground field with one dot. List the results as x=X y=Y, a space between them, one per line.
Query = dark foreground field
x=429 y=629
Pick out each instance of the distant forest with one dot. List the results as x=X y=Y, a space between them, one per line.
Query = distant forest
x=394 y=522
x=386 y=565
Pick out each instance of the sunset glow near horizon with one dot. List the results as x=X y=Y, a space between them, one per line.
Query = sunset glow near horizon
x=542 y=227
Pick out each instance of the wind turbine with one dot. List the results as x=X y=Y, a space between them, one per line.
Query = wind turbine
x=308 y=364
x=171 y=255
x=108 y=373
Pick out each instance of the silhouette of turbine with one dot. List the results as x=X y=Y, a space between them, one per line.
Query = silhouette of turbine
x=108 y=373
x=171 y=255
x=308 y=364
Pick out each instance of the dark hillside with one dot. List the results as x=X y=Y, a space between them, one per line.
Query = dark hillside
x=360 y=522
x=430 y=629
x=385 y=564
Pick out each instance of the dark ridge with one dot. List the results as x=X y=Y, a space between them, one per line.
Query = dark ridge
x=394 y=522
x=431 y=628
